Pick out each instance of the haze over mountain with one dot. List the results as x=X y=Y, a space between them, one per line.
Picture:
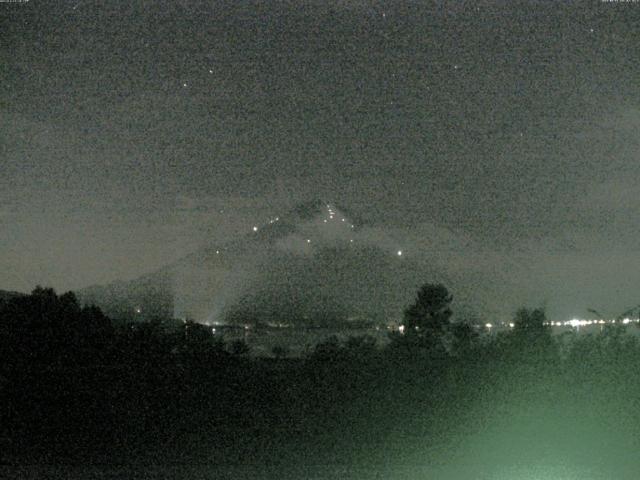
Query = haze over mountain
x=314 y=265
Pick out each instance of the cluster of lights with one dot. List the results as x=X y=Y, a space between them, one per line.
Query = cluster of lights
x=489 y=326
x=332 y=214
x=575 y=323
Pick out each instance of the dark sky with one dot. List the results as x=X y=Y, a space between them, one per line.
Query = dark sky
x=135 y=132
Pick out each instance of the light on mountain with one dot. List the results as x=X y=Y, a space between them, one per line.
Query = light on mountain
x=399 y=253
x=255 y=229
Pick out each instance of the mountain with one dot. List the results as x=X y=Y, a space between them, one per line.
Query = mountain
x=311 y=266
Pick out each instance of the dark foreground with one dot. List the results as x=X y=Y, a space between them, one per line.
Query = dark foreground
x=143 y=403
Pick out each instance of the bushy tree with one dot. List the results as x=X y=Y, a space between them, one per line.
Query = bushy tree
x=426 y=323
x=530 y=322
x=430 y=312
x=531 y=342
x=46 y=328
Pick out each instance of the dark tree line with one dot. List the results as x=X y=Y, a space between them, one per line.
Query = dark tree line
x=75 y=385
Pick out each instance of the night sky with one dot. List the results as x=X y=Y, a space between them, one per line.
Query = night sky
x=502 y=136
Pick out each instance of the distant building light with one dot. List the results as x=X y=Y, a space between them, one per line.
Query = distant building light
x=576 y=323
x=255 y=229
x=308 y=240
x=488 y=325
x=399 y=253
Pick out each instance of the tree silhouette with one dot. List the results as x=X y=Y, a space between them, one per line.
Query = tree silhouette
x=530 y=321
x=428 y=317
x=531 y=341
x=46 y=328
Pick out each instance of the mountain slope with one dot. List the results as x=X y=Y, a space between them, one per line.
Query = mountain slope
x=310 y=266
